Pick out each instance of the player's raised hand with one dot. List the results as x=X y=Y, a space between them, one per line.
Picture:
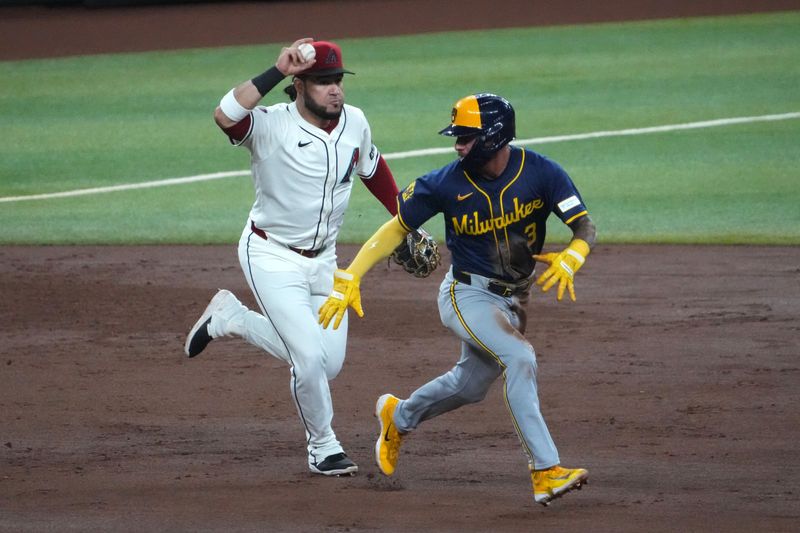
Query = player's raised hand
x=346 y=292
x=296 y=58
x=562 y=269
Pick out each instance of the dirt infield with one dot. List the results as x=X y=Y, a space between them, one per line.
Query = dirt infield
x=674 y=379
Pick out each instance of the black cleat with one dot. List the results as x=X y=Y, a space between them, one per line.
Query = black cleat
x=199 y=336
x=337 y=464
x=198 y=339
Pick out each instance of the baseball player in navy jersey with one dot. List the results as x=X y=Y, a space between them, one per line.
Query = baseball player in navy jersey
x=305 y=156
x=496 y=199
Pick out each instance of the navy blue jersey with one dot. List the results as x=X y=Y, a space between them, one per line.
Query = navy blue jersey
x=493 y=227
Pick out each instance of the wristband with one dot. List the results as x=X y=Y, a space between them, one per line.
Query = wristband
x=581 y=248
x=343 y=274
x=267 y=80
x=232 y=108
x=578 y=257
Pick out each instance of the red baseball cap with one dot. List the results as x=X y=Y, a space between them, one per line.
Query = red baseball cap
x=328 y=60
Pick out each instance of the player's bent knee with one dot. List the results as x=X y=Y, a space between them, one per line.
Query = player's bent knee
x=332 y=368
x=475 y=391
x=523 y=361
x=473 y=396
x=309 y=367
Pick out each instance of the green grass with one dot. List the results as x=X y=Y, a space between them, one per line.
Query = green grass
x=105 y=120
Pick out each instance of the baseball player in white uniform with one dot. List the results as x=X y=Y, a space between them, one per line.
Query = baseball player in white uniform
x=304 y=158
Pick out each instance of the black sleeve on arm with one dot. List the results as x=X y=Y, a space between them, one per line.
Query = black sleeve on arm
x=267 y=80
x=583 y=228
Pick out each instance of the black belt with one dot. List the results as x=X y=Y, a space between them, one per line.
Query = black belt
x=501 y=288
x=305 y=253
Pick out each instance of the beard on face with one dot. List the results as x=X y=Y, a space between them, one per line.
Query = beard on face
x=320 y=110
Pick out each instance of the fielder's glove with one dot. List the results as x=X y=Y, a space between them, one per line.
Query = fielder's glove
x=418 y=254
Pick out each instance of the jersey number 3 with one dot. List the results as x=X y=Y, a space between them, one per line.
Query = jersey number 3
x=530 y=231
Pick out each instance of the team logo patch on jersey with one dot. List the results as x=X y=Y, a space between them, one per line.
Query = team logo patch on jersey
x=569 y=203
x=351 y=166
x=409 y=191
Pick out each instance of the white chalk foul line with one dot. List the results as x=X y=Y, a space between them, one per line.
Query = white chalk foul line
x=128 y=186
x=614 y=133
x=420 y=153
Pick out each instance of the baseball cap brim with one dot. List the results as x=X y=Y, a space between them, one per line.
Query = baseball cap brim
x=324 y=72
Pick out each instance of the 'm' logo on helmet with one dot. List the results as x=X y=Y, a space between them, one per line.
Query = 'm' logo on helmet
x=453 y=115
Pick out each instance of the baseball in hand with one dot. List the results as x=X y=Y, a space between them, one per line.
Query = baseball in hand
x=307 y=51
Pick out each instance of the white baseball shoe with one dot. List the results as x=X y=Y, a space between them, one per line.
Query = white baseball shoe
x=200 y=336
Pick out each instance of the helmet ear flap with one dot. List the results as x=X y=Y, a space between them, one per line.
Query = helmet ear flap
x=493 y=130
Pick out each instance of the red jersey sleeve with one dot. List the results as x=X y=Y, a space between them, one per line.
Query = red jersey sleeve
x=383 y=187
x=240 y=130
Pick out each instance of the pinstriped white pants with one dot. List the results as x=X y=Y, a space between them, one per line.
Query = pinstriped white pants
x=289 y=289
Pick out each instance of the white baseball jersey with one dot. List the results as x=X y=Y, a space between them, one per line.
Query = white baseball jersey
x=303 y=175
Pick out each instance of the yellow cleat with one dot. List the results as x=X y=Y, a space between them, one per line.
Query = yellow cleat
x=556 y=481
x=387 y=447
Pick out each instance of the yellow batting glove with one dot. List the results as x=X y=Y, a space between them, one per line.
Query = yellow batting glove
x=345 y=293
x=563 y=266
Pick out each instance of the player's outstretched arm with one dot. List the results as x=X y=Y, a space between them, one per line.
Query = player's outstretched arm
x=346 y=283
x=563 y=265
x=240 y=100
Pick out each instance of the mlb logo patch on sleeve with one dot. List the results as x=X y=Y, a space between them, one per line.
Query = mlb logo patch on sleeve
x=569 y=203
